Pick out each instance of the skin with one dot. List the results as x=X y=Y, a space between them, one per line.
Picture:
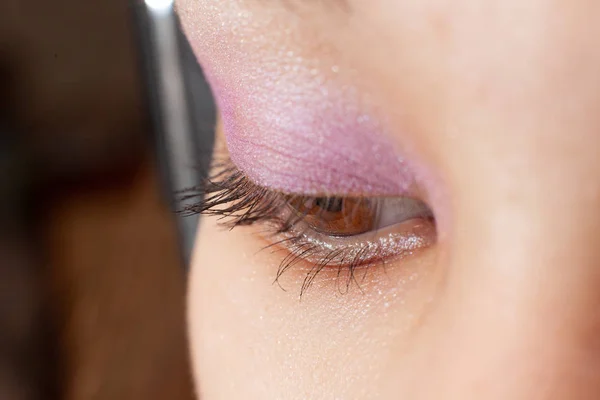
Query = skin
x=498 y=102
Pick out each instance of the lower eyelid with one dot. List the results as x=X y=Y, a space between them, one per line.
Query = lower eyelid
x=308 y=254
x=393 y=242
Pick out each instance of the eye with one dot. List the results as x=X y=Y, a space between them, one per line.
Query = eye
x=320 y=233
x=336 y=216
x=349 y=216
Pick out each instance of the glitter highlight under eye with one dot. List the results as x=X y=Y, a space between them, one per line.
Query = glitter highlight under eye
x=378 y=250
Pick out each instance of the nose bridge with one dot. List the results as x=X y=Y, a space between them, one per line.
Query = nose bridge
x=519 y=313
x=521 y=307
x=531 y=235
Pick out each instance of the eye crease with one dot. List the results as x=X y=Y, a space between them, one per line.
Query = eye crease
x=319 y=233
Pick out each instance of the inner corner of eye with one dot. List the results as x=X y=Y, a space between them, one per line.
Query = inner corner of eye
x=391 y=211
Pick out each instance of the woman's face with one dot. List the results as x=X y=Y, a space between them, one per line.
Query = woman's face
x=416 y=187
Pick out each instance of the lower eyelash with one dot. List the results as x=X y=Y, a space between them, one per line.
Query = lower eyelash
x=303 y=249
x=347 y=258
x=237 y=201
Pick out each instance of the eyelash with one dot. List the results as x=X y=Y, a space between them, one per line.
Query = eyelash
x=229 y=195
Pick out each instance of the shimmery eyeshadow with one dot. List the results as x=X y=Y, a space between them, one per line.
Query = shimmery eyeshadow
x=291 y=121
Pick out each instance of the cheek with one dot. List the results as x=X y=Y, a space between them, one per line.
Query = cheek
x=252 y=339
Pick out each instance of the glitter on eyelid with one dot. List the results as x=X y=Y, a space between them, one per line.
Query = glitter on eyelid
x=292 y=118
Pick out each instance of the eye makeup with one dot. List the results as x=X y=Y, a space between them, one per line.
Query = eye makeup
x=310 y=162
x=312 y=145
x=344 y=235
x=292 y=118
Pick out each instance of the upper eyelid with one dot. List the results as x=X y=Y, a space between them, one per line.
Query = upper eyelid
x=233 y=194
x=264 y=164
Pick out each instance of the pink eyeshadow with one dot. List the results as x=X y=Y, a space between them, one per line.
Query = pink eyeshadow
x=292 y=122
x=310 y=143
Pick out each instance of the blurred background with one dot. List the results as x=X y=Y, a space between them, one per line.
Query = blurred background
x=91 y=280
